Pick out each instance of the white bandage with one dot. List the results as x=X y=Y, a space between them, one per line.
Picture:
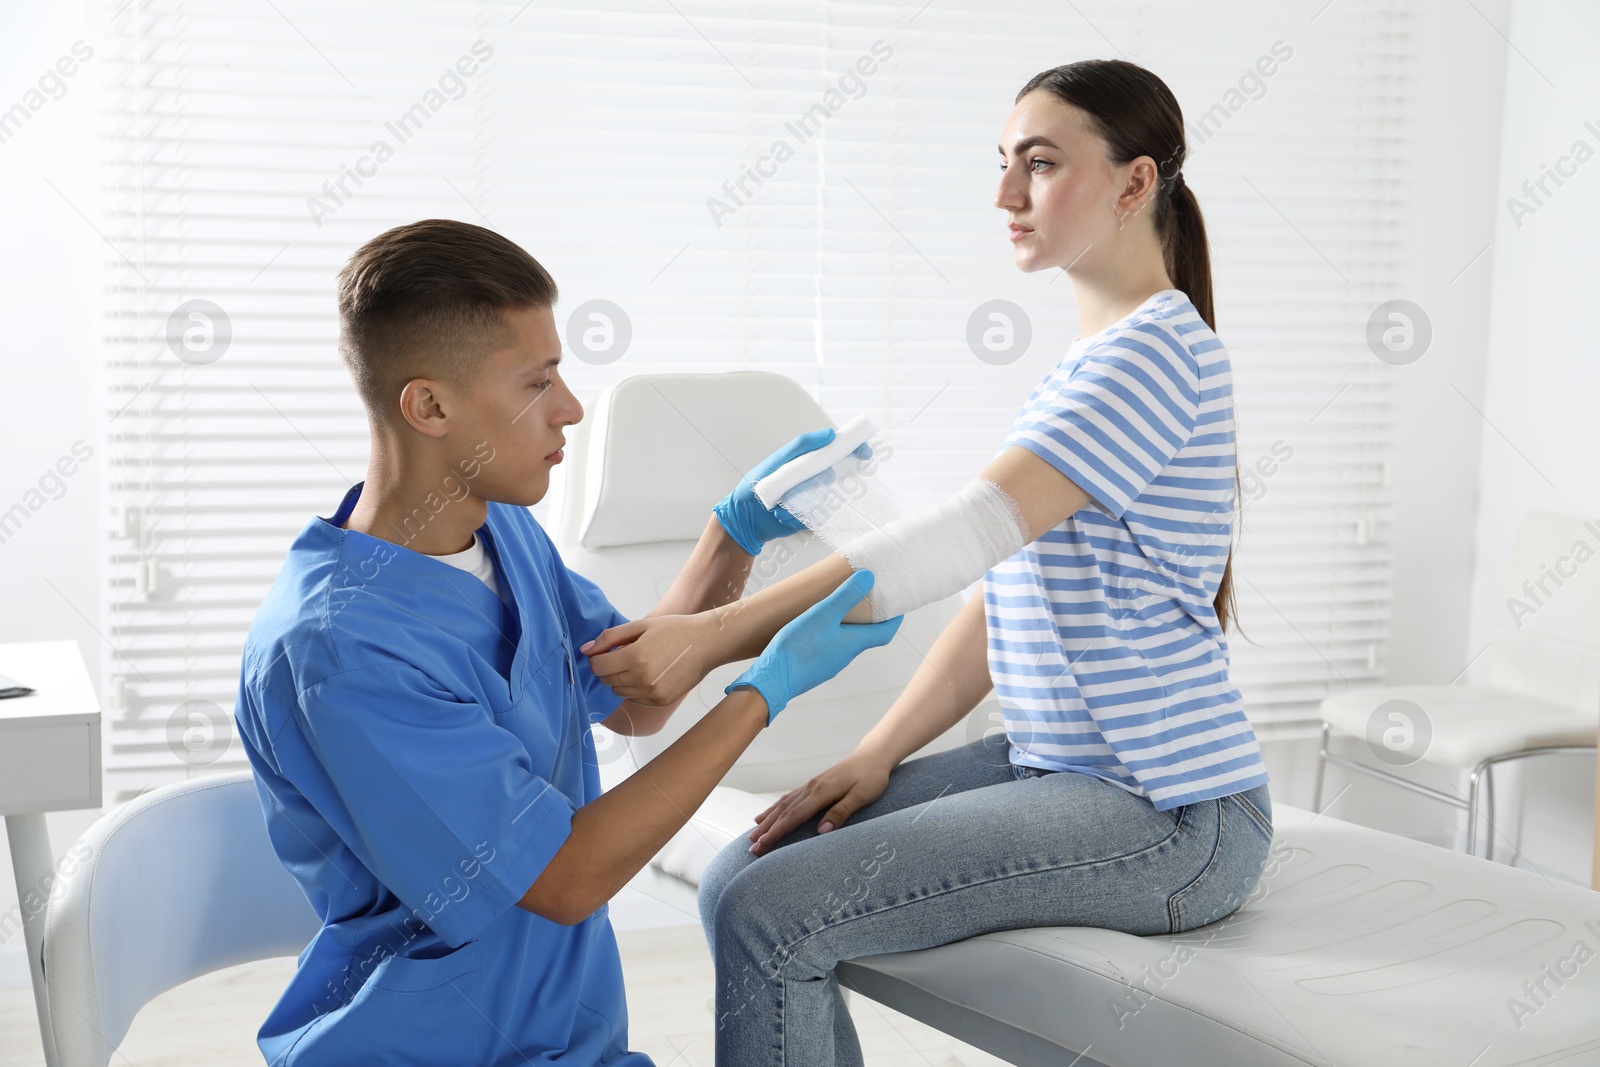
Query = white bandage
x=777 y=485
x=916 y=558
x=923 y=558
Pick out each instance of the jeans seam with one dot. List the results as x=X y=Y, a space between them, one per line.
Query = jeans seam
x=826 y=926
x=783 y=1030
x=1173 y=902
x=1255 y=813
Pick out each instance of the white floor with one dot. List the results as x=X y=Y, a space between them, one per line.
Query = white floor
x=212 y=1021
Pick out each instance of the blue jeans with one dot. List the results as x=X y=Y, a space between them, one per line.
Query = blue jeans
x=961 y=843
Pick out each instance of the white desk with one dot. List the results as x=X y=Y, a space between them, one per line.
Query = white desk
x=49 y=761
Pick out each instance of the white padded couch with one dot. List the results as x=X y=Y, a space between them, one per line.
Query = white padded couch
x=1359 y=948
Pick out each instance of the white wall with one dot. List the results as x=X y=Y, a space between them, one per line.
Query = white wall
x=49 y=566
x=1494 y=421
x=48 y=297
x=1460 y=76
x=1543 y=377
x=1459 y=81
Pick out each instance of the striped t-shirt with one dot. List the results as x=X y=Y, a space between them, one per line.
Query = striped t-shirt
x=1105 y=649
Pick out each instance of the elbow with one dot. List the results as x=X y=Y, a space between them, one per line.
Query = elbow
x=636 y=720
x=570 y=917
x=654 y=724
x=565 y=908
x=561 y=918
x=578 y=905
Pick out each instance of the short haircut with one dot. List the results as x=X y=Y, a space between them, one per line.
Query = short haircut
x=427 y=300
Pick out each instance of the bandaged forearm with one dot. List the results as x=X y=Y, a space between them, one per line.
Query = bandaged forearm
x=925 y=557
x=915 y=558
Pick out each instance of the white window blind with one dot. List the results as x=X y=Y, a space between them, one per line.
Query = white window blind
x=251 y=148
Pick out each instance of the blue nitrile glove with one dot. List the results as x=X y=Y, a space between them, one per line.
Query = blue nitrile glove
x=816 y=646
x=742 y=515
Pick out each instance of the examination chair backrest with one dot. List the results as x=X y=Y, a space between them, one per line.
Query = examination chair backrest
x=177 y=883
x=643 y=470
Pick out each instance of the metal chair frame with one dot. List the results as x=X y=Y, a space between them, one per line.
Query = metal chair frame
x=1479 y=786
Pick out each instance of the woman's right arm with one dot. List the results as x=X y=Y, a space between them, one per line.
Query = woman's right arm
x=953 y=678
x=655 y=661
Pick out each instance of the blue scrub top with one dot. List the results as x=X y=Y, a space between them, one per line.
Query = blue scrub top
x=420 y=746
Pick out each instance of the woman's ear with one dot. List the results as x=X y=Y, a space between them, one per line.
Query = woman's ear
x=1138 y=190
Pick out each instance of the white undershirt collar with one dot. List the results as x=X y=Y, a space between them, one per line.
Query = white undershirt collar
x=475 y=561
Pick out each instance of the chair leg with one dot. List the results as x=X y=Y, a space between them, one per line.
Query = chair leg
x=1488 y=812
x=1322 y=770
x=1474 y=786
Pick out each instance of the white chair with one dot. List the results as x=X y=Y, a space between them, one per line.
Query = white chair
x=178 y=883
x=1542 y=696
x=642 y=473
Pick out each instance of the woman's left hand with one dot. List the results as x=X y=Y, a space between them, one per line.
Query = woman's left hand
x=843 y=789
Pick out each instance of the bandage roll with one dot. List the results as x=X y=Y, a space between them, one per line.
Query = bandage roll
x=780 y=483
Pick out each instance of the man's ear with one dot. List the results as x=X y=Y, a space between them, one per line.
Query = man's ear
x=423 y=405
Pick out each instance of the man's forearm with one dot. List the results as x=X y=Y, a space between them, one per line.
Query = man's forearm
x=614 y=835
x=636 y=658
x=715 y=574
x=746 y=627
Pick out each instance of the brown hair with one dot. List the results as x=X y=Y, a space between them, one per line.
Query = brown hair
x=1135 y=114
x=427 y=300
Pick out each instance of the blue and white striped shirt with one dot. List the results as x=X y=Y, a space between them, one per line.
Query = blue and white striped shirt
x=1105 y=649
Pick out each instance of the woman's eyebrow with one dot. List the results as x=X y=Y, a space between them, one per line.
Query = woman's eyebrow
x=1027 y=143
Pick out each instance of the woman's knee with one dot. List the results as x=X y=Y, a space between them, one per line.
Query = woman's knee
x=759 y=923
x=726 y=915
x=759 y=896
x=723 y=868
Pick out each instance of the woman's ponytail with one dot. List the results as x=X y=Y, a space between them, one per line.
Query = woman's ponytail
x=1186 y=250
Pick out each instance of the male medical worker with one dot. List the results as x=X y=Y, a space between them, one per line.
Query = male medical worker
x=416 y=705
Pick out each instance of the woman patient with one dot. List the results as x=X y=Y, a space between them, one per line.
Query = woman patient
x=1128 y=790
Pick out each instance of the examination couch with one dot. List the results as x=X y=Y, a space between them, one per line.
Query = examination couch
x=1359 y=947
